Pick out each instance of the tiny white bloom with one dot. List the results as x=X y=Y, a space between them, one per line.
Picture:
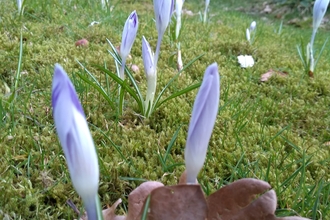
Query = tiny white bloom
x=253 y=26
x=245 y=61
x=248 y=37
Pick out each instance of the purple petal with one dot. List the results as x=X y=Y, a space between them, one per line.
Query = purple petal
x=129 y=34
x=202 y=122
x=62 y=83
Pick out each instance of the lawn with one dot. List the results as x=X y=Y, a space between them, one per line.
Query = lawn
x=277 y=131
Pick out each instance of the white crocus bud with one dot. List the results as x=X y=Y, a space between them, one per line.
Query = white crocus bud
x=178 y=12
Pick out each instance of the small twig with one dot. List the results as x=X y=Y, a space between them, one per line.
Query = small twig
x=73 y=206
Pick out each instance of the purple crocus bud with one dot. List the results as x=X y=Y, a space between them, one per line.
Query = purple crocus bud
x=163 y=12
x=76 y=140
x=319 y=9
x=128 y=37
x=148 y=58
x=202 y=121
x=150 y=70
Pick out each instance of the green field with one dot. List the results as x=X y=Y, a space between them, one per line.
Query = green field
x=277 y=131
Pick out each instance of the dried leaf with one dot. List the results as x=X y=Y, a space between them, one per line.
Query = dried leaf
x=108 y=214
x=227 y=201
x=262 y=208
x=266 y=76
x=184 y=202
x=137 y=197
x=183 y=178
x=237 y=201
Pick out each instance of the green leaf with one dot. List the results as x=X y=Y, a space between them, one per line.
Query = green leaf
x=99 y=88
x=124 y=85
x=181 y=92
x=156 y=105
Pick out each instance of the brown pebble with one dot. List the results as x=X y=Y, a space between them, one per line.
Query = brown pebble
x=82 y=42
x=135 y=68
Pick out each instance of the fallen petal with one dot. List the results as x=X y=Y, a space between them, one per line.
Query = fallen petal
x=266 y=76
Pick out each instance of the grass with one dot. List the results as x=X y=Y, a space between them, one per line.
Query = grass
x=277 y=131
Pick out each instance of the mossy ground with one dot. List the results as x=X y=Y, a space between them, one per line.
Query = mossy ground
x=275 y=131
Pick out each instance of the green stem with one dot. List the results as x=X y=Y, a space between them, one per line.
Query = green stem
x=151 y=91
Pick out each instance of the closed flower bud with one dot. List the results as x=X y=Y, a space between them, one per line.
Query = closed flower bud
x=319 y=9
x=163 y=12
x=148 y=58
x=129 y=34
x=76 y=140
x=202 y=121
x=253 y=26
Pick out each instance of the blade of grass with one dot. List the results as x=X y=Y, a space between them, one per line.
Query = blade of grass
x=181 y=92
x=124 y=85
x=171 y=81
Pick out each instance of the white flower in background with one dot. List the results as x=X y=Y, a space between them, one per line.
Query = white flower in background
x=319 y=9
x=207 y=3
x=251 y=30
x=248 y=37
x=19 y=5
x=253 y=26
x=245 y=61
x=178 y=12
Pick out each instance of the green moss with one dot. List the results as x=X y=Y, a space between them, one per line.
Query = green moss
x=263 y=130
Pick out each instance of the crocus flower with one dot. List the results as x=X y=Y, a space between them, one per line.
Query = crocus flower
x=19 y=5
x=178 y=12
x=202 y=121
x=128 y=37
x=253 y=26
x=319 y=9
x=248 y=37
x=149 y=68
x=163 y=13
x=104 y=3
x=148 y=58
x=76 y=140
x=249 y=30
x=207 y=3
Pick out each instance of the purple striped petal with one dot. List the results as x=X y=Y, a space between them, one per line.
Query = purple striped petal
x=74 y=136
x=129 y=34
x=163 y=13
